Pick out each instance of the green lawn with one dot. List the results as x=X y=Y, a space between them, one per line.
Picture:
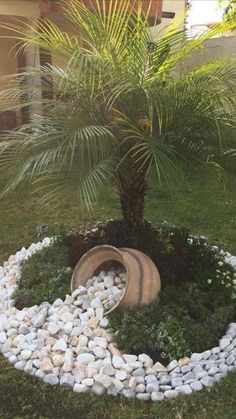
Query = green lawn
x=208 y=209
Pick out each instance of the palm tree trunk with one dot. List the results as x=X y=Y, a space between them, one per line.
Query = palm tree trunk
x=132 y=200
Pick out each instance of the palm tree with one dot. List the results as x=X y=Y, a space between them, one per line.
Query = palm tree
x=120 y=108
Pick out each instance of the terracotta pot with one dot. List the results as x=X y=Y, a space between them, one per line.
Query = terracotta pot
x=143 y=284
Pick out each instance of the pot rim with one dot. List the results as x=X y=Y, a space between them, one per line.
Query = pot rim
x=124 y=263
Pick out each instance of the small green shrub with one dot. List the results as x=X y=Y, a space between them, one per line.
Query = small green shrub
x=45 y=277
x=185 y=319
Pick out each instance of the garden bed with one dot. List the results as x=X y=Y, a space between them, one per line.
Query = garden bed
x=130 y=375
x=195 y=304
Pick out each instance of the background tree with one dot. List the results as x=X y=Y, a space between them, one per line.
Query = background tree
x=229 y=9
x=120 y=110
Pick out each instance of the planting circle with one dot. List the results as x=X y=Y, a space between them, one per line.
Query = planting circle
x=62 y=343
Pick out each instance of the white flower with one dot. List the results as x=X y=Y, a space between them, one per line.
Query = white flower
x=220 y=263
x=209 y=281
x=190 y=241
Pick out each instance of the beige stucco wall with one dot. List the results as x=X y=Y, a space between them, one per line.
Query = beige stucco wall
x=176 y=6
x=25 y=8
x=216 y=47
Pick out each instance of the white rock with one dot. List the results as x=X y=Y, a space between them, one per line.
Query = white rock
x=36 y=363
x=85 y=359
x=121 y=375
x=67 y=317
x=99 y=352
x=69 y=299
x=26 y=354
x=23 y=329
x=80 y=374
x=46 y=365
x=196 y=385
x=20 y=315
x=40 y=374
x=96 y=303
x=144 y=358
x=158 y=367
x=68 y=328
x=76 y=331
x=58 y=302
x=224 y=343
x=104 y=322
x=67 y=380
x=140 y=388
x=51 y=379
x=118 y=384
x=60 y=345
x=170 y=394
x=39 y=320
x=69 y=358
x=83 y=340
x=13 y=359
x=109 y=281
x=91 y=372
x=53 y=328
x=20 y=365
x=80 y=388
x=3 y=337
x=99 y=312
x=117 y=361
x=37 y=344
x=88 y=382
x=29 y=367
x=172 y=365
x=102 y=342
x=58 y=359
x=108 y=370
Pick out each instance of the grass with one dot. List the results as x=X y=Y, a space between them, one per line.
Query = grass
x=208 y=209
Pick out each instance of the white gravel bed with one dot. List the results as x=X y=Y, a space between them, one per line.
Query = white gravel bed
x=68 y=342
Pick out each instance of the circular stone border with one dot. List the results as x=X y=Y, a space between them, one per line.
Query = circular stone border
x=61 y=344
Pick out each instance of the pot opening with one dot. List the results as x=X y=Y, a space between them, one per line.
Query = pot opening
x=111 y=276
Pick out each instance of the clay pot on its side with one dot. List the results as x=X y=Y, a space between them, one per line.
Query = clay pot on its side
x=143 y=283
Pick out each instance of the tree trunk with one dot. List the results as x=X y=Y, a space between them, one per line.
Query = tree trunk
x=132 y=199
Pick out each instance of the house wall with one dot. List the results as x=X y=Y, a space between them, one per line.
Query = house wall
x=24 y=8
x=213 y=48
x=176 y=6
